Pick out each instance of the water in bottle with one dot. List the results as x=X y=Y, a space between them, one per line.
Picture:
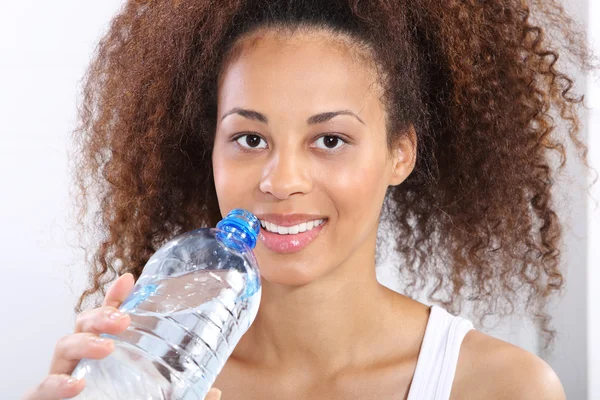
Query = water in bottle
x=196 y=297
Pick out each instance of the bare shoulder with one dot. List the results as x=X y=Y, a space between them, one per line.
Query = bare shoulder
x=489 y=368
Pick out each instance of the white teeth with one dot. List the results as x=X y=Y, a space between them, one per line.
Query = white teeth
x=291 y=230
x=302 y=227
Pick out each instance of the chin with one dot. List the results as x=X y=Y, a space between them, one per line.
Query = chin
x=289 y=274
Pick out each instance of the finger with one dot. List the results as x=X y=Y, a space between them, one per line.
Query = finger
x=119 y=290
x=55 y=387
x=102 y=320
x=213 y=394
x=72 y=348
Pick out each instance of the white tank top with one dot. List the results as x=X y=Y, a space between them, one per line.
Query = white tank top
x=438 y=356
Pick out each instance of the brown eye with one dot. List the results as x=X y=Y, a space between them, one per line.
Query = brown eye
x=330 y=142
x=251 y=142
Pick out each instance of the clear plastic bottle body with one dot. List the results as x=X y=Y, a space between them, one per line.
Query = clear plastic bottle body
x=197 y=296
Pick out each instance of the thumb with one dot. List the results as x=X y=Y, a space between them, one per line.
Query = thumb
x=119 y=291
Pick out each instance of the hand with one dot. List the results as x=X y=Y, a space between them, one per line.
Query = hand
x=85 y=342
x=213 y=394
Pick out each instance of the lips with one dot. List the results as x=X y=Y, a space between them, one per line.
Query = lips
x=289 y=243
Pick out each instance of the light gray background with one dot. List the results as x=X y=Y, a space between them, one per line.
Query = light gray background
x=44 y=49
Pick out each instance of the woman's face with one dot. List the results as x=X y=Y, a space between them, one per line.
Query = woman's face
x=300 y=138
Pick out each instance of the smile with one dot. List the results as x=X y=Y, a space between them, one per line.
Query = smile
x=291 y=230
x=290 y=238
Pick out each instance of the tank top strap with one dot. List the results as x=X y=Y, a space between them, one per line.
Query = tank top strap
x=438 y=357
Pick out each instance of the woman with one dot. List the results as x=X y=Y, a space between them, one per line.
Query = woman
x=325 y=118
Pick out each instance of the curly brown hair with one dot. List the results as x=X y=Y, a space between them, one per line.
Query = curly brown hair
x=477 y=79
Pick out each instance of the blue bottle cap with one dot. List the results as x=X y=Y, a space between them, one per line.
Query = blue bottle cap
x=240 y=226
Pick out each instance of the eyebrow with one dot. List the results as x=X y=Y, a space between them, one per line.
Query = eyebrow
x=313 y=120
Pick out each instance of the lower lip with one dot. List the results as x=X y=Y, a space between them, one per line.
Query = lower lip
x=289 y=243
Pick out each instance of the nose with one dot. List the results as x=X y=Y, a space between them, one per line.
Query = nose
x=286 y=174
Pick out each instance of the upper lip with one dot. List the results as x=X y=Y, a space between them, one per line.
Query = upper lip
x=288 y=219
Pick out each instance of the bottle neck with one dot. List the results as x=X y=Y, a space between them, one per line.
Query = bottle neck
x=239 y=230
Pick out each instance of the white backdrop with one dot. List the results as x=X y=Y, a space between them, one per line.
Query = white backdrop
x=44 y=49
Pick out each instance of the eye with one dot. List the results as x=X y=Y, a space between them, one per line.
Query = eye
x=330 y=142
x=250 y=141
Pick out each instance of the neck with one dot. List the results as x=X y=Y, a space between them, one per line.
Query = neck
x=330 y=324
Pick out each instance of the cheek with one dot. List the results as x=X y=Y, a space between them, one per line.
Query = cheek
x=357 y=191
x=356 y=196
x=226 y=177
x=219 y=174
x=235 y=180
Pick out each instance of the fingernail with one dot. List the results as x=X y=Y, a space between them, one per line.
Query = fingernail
x=116 y=315
x=100 y=341
x=71 y=381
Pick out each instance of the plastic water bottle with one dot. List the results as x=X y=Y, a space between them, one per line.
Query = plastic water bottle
x=196 y=297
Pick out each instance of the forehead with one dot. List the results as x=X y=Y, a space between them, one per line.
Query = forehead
x=291 y=68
